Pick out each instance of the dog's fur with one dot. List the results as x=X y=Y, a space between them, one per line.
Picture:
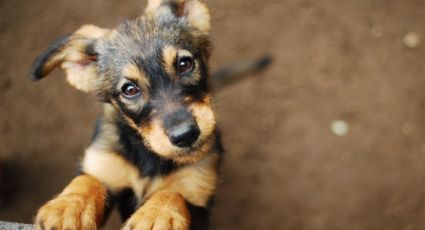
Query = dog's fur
x=151 y=73
x=156 y=150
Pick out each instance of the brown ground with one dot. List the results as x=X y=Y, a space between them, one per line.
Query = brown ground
x=284 y=169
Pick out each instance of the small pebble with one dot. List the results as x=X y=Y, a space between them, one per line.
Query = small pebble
x=412 y=40
x=339 y=127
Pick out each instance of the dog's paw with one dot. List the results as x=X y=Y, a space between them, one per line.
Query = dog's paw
x=165 y=211
x=67 y=212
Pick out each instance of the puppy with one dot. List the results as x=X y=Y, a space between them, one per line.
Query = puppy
x=156 y=151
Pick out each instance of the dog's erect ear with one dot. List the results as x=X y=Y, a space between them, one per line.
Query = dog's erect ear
x=76 y=55
x=193 y=11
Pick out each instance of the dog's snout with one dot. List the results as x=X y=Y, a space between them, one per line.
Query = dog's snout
x=185 y=134
x=181 y=128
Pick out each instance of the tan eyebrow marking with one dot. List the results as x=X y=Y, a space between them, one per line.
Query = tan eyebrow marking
x=132 y=72
x=184 y=53
x=169 y=54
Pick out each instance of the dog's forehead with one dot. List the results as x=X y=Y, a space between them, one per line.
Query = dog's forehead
x=142 y=42
x=147 y=36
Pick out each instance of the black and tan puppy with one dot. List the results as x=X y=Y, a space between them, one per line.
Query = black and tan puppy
x=156 y=151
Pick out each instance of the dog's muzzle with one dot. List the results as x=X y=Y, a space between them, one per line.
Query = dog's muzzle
x=181 y=128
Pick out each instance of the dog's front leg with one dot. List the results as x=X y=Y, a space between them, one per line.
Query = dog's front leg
x=79 y=206
x=164 y=210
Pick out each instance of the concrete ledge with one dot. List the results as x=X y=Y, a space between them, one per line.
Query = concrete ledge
x=15 y=226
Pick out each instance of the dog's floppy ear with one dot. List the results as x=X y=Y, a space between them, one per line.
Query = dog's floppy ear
x=193 y=11
x=76 y=55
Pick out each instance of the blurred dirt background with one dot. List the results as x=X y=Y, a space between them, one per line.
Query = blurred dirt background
x=285 y=168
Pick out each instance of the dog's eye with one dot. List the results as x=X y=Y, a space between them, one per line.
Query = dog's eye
x=130 y=90
x=184 y=65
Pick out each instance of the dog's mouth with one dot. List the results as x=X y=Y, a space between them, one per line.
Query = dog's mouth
x=194 y=152
x=193 y=149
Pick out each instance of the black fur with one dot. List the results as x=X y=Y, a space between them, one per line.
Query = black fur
x=134 y=150
x=109 y=204
x=37 y=71
x=177 y=117
x=200 y=217
x=127 y=204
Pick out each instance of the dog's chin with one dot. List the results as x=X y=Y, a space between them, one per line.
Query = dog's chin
x=193 y=153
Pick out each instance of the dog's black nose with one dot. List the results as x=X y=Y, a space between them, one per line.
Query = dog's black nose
x=184 y=134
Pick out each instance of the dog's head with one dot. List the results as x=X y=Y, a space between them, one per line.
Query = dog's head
x=152 y=69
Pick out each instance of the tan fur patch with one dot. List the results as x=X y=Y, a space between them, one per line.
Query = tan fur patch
x=196 y=182
x=153 y=5
x=113 y=170
x=204 y=117
x=91 y=31
x=164 y=210
x=169 y=54
x=79 y=206
x=197 y=15
x=157 y=139
x=184 y=53
x=201 y=150
x=84 y=80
